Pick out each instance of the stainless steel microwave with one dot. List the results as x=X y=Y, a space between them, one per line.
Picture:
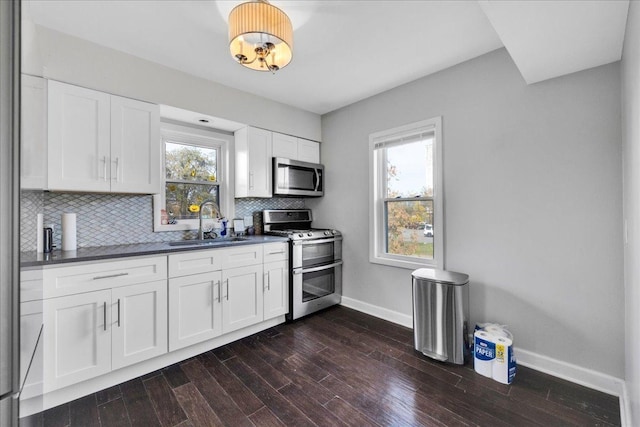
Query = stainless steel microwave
x=293 y=178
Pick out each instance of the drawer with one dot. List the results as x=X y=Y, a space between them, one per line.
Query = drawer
x=241 y=256
x=31 y=285
x=195 y=262
x=91 y=276
x=276 y=251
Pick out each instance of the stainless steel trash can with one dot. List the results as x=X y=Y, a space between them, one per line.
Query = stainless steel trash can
x=440 y=314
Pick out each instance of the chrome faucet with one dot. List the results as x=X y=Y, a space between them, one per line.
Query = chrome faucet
x=203 y=204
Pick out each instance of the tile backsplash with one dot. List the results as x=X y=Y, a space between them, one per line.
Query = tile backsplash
x=115 y=219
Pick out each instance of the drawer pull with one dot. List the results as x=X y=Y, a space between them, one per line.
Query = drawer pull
x=105 y=315
x=118 y=312
x=275 y=253
x=110 y=276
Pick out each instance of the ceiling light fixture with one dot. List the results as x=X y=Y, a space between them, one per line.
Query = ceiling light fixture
x=259 y=29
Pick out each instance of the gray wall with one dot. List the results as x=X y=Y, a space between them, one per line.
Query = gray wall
x=58 y=56
x=631 y=156
x=533 y=201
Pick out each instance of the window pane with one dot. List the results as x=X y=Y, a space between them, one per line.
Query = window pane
x=187 y=162
x=410 y=169
x=410 y=228
x=183 y=200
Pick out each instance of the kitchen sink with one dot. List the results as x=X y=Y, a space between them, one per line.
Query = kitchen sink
x=208 y=242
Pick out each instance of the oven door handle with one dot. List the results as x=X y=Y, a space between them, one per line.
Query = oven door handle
x=314 y=269
x=316 y=241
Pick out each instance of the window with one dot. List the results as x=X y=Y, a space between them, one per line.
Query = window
x=406 y=196
x=195 y=169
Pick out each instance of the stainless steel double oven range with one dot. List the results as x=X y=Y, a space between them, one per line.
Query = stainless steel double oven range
x=315 y=260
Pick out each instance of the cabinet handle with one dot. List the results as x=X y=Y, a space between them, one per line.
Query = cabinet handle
x=219 y=291
x=105 y=315
x=104 y=161
x=227 y=289
x=117 y=162
x=250 y=180
x=275 y=253
x=118 y=312
x=110 y=276
x=266 y=278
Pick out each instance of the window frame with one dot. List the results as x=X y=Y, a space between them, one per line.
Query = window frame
x=377 y=197
x=197 y=137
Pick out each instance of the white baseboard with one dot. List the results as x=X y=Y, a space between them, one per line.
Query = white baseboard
x=379 y=312
x=557 y=368
x=574 y=373
x=579 y=375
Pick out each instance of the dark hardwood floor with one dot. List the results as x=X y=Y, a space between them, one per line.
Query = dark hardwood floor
x=338 y=367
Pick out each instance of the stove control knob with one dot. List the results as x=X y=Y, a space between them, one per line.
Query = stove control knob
x=334 y=231
x=300 y=235
x=326 y=233
x=310 y=234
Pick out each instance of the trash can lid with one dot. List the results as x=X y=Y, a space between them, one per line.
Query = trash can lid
x=440 y=276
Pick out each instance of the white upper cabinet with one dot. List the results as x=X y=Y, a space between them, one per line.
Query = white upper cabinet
x=253 y=162
x=285 y=146
x=308 y=151
x=290 y=147
x=102 y=143
x=255 y=149
x=79 y=139
x=135 y=146
x=33 y=133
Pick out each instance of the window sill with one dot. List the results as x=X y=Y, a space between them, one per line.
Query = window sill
x=403 y=263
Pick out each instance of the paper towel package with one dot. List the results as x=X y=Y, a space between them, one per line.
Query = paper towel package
x=493 y=353
x=484 y=352
x=504 y=365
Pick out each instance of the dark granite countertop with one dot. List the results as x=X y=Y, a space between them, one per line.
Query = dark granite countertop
x=34 y=259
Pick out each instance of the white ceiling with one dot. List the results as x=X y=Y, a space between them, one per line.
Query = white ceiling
x=345 y=51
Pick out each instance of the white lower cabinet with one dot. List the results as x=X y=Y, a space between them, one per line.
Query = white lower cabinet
x=241 y=297
x=88 y=334
x=139 y=323
x=91 y=334
x=99 y=317
x=31 y=349
x=195 y=310
x=276 y=289
x=77 y=339
x=237 y=290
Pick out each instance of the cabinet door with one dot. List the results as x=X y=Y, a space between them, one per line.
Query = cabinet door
x=33 y=133
x=259 y=144
x=135 y=146
x=285 y=146
x=77 y=340
x=308 y=151
x=31 y=349
x=79 y=141
x=195 y=313
x=139 y=325
x=242 y=297
x=276 y=289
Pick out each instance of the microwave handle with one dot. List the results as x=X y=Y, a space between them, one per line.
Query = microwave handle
x=311 y=270
x=316 y=171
